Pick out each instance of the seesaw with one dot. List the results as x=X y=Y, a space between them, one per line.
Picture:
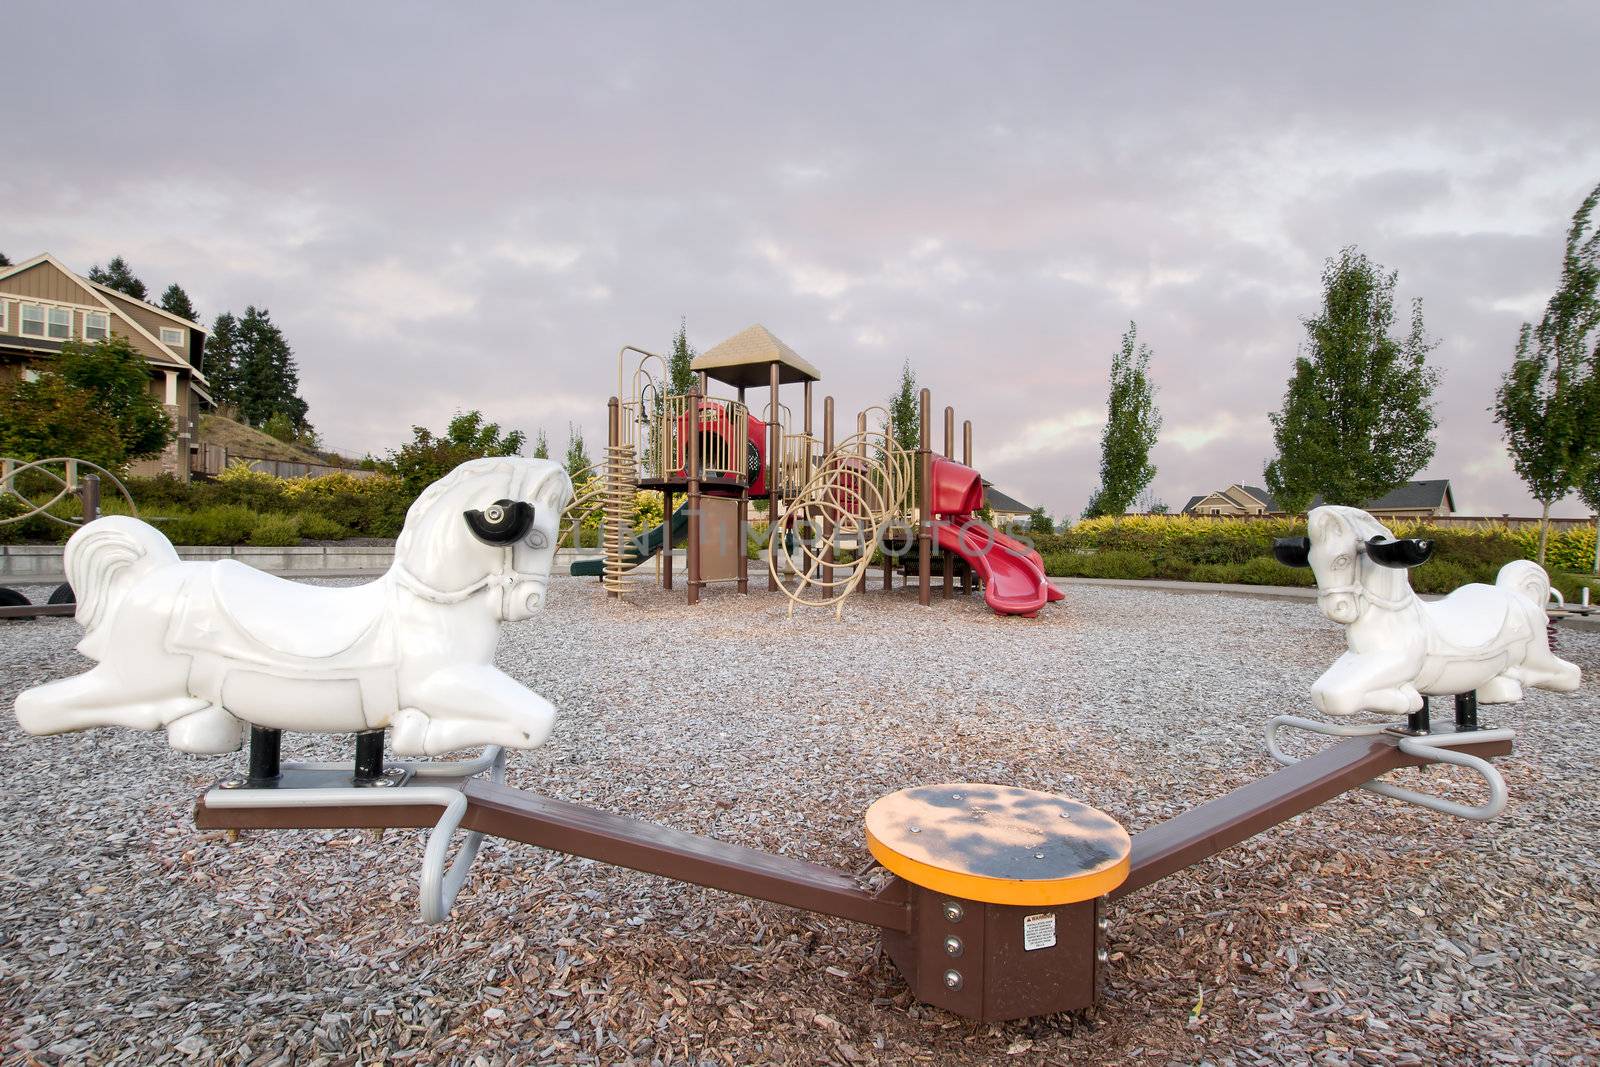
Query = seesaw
x=996 y=904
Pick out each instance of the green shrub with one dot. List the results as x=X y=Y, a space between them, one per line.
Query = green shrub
x=222 y=524
x=1226 y=573
x=276 y=531
x=1264 y=570
x=319 y=527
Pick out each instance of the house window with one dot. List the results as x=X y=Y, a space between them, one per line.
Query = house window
x=60 y=323
x=96 y=326
x=29 y=374
x=32 y=320
x=172 y=336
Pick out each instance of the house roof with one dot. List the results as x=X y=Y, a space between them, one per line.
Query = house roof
x=1195 y=500
x=744 y=360
x=995 y=500
x=1261 y=495
x=99 y=292
x=1412 y=496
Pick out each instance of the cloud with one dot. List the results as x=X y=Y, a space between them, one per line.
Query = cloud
x=441 y=217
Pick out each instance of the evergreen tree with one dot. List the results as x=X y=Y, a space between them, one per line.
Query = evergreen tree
x=119 y=276
x=1039 y=522
x=541 y=445
x=1132 y=423
x=4 y=262
x=221 y=361
x=577 y=458
x=1547 y=401
x=268 y=380
x=1357 y=418
x=905 y=411
x=681 y=377
x=175 y=300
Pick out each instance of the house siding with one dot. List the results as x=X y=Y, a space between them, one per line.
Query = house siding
x=151 y=322
x=44 y=282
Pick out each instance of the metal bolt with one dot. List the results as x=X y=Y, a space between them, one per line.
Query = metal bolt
x=230 y=783
x=953 y=946
x=955 y=796
x=384 y=782
x=1101 y=955
x=916 y=829
x=953 y=912
x=952 y=979
x=1064 y=814
x=1038 y=855
x=1102 y=922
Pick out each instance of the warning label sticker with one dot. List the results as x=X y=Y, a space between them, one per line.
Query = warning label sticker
x=1039 y=931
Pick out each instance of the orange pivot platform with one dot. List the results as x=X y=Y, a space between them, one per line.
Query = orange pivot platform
x=998 y=844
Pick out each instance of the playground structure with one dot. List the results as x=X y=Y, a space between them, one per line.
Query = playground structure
x=995 y=907
x=62 y=477
x=835 y=506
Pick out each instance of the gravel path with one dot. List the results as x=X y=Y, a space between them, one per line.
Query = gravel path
x=1364 y=932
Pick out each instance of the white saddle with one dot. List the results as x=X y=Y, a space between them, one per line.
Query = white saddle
x=1469 y=618
x=240 y=613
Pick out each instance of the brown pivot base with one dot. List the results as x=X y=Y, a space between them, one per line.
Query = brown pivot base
x=1005 y=887
x=993 y=962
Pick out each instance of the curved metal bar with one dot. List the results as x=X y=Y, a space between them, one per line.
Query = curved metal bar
x=437 y=887
x=69 y=466
x=1433 y=748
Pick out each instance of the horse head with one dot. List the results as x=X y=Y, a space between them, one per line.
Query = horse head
x=1347 y=575
x=489 y=524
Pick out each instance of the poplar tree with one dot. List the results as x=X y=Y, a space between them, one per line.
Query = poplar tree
x=905 y=411
x=1357 y=418
x=577 y=459
x=1547 y=401
x=680 y=375
x=1132 y=423
x=541 y=445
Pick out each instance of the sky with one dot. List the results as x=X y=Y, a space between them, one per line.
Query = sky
x=477 y=206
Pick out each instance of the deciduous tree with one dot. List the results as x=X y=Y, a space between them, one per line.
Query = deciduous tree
x=1132 y=423
x=1357 y=417
x=93 y=402
x=1547 y=402
x=429 y=457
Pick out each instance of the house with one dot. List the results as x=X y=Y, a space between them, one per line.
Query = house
x=1414 y=500
x=1233 y=502
x=1007 y=510
x=43 y=305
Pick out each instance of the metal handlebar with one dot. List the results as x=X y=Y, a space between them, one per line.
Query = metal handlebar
x=1431 y=748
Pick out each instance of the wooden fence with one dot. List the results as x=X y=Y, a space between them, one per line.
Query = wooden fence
x=211 y=460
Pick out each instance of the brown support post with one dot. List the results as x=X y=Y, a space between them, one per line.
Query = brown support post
x=774 y=463
x=949 y=453
x=826 y=525
x=925 y=504
x=666 y=540
x=693 y=500
x=89 y=493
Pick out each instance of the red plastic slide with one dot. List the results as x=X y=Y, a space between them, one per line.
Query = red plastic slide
x=1012 y=573
x=1013 y=584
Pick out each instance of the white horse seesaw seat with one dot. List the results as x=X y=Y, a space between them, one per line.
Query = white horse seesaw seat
x=1482 y=643
x=200 y=648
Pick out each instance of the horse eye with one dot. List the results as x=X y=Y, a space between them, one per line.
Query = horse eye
x=1342 y=561
x=537 y=538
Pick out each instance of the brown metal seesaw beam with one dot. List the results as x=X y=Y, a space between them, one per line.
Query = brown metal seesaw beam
x=1164 y=849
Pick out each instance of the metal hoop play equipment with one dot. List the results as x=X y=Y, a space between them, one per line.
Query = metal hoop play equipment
x=72 y=481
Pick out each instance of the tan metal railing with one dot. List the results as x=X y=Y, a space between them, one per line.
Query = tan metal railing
x=663 y=437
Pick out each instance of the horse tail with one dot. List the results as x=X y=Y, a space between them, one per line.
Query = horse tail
x=1528 y=578
x=105 y=558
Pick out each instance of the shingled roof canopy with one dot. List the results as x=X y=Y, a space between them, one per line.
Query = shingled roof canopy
x=744 y=360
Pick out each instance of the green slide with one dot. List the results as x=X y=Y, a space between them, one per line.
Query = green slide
x=639 y=548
